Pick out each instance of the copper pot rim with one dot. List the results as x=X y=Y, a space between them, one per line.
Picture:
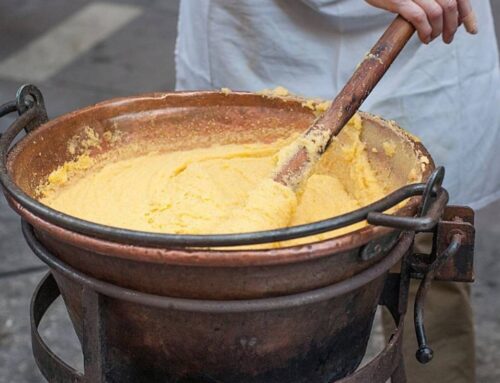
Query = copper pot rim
x=229 y=257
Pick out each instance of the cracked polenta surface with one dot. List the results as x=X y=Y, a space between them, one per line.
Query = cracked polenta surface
x=214 y=190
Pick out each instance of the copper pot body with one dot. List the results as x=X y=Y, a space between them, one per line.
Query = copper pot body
x=315 y=342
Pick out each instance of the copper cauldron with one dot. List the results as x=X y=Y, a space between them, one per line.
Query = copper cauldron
x=275 y=333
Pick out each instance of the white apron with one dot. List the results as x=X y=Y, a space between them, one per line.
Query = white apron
x=448 y=95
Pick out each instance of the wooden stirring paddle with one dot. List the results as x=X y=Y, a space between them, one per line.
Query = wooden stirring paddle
x=297 y=159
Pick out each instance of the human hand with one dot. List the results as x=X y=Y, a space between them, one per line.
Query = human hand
x=432 y=18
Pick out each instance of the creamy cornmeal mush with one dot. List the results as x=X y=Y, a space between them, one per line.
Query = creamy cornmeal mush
x=218 y=189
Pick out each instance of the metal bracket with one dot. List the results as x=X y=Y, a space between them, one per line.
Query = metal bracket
x=453 y=247
x=451 y=260
x=460 y=267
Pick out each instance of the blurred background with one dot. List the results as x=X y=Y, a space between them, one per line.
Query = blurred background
x=92 y=51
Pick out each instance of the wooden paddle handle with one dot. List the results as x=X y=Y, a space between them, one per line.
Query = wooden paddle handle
x=367 y=75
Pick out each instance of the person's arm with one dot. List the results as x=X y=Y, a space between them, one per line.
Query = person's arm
x=432 y=18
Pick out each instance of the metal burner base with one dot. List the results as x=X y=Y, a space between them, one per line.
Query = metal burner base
x=388 y=364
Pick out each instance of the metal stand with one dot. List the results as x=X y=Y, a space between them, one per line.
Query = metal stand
x=453 y=262
x=387 y=365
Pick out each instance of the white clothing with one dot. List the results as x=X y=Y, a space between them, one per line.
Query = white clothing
x=448 y=95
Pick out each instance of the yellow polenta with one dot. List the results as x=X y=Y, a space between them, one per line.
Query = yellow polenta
x=217 y=189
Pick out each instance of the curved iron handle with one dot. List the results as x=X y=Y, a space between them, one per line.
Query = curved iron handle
x=423 y=223
x=434 y=201
x=28 y=96
x=424 y=353
x=8 y=107
x=35 y=115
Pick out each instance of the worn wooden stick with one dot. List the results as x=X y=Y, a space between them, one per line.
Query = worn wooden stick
x=297 y=162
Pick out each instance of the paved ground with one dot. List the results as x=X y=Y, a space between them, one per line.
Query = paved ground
x=129 y=49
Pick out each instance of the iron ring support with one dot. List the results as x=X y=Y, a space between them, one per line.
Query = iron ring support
x=424 y=353
x=388 y=363
x=219 y=306
x=52 y=367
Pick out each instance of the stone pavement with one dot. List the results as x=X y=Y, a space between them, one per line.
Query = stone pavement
x=132 y=52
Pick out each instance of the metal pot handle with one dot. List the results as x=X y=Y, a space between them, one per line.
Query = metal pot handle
x=28 y=97
x=8 y=107
x=434 y=200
